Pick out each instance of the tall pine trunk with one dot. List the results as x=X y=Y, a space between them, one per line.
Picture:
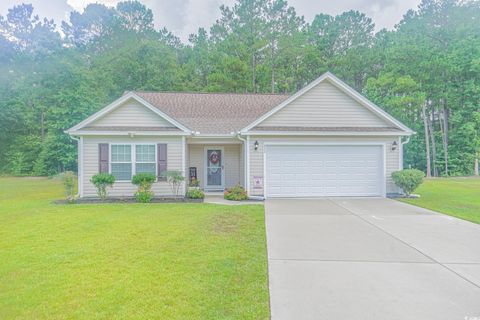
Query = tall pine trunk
x=427 y=143
x=432 y=140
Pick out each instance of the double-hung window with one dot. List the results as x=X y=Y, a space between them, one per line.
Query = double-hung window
x=145 y=159
x=121 y=162
x=130 y=159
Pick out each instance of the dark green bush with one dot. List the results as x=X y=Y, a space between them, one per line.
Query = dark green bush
x=101 y=181
x=144 y=181
x=408 y=179
x=195 y=194
x=236 y=193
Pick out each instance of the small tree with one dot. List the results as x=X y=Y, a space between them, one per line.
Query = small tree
x=144 y=181
x=175 y=179
x=408 y=179
x=101 y=181
x=68 y=179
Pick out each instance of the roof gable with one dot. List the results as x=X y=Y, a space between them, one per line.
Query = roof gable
x=129 y=105
x=327 y=102
x=131 y=113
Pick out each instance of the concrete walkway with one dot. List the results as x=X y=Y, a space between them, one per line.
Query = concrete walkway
x=370 y=259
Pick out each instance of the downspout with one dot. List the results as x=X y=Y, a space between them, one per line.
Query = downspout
x=247 y=168
x=401 y=150
x=79 y=165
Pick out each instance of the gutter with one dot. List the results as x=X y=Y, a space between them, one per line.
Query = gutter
x=402 y=143
x=246 y=168
x=79 y=166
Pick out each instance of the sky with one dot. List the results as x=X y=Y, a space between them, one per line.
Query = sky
x=184 y=17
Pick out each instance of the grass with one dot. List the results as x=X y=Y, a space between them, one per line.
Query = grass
x=127 y=261
x=457 y=197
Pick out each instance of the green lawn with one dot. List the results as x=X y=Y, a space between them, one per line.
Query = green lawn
x=128 y=261
x=458 y=197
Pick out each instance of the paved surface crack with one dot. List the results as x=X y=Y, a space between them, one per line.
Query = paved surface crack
x=404 y=242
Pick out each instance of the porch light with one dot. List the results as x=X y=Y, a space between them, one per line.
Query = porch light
x=255 y=145
x=394 y=145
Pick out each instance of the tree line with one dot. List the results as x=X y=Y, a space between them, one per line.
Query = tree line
x=425 y=72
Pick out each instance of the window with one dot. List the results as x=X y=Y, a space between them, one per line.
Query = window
x=145 y=161
x=121 y=166
x=126 y=162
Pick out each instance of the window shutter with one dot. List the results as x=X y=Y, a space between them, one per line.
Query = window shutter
x=103 y=157
x=161 y=160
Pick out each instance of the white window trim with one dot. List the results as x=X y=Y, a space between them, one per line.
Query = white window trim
x=133 y=158
x=154 y=162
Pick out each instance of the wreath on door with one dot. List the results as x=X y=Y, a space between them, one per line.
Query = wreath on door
x=214 y=157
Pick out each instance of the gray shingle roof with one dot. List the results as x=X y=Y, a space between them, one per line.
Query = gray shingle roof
x=213 y=113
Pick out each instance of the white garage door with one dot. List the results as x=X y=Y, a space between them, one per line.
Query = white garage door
x=324 y=170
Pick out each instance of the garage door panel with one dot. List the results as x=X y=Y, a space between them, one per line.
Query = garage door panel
x=309 y=171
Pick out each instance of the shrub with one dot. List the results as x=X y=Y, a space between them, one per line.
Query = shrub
x=69 y=178
x=144 y=181
x=408 y=179
x=195 y=183
x=101 y=181
x=175 y=179
x=195 y=194
x=236 y=193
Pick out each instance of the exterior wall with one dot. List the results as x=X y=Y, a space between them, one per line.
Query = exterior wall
x=256 y=160
x=133 y=114
x=233 y=162
x=90 y=155
x=324 y=106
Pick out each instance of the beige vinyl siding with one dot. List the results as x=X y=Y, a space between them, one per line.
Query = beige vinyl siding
x=133 y=114
x=324 y=106
x=256 y=157
x=232 y=162
x=125 y=188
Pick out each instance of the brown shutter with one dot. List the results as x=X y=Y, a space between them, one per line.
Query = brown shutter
x=103 y=157
x=161 y=160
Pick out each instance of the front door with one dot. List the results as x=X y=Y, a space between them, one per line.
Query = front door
x=214 y=169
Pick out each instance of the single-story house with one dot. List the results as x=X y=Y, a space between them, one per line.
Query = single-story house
x=325 y=140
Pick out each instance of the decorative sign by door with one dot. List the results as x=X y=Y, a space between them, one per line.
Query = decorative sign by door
x=257 y=182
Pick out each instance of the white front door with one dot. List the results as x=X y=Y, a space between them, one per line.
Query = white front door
x=214 y=178
x=324 y=170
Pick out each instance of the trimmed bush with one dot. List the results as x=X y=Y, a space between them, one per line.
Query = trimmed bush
x=144 y=182
x=408 y=179
x=102 y=181
x=236 y=193
x=195 y=183
x=195 y=194
x=174 y=179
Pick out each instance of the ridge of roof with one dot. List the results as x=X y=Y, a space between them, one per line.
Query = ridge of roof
x=212 y=93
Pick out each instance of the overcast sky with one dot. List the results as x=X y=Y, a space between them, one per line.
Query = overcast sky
x=183 y=17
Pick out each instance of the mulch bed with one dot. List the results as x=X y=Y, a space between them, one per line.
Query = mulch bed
x=128 y=200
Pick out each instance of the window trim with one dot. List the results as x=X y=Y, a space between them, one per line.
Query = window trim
x=155 y=162
x=133 y=158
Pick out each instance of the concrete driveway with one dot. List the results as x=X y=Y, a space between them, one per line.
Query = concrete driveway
x=370 y=258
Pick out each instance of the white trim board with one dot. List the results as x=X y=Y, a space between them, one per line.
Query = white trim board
x=343 y=87
x=324 y=133
x=117 y=103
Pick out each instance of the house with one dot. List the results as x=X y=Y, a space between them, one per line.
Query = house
x=325 y=140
